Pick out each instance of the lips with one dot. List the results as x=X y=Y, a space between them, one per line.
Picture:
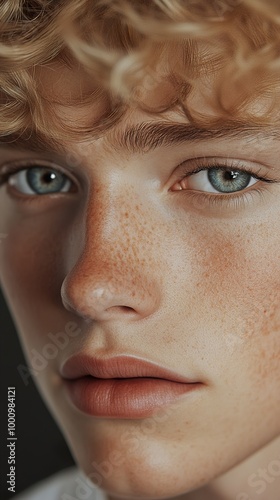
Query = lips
x=122 y=386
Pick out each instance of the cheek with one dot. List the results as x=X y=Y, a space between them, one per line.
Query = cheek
x=240 y=283
x=240 y=271
x=29 y=260
x=263 y=333
x=31 y=273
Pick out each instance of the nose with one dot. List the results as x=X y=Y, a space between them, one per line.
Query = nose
x=111 y=263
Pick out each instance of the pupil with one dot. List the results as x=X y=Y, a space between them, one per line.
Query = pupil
x=48 y=177
x=231 y=175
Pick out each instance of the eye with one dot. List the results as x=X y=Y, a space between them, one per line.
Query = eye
x=219 y=180
x=40 y=180
x=212 y=178
x=213 y=183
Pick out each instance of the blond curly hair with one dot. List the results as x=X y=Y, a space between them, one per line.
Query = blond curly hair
x=124 y=44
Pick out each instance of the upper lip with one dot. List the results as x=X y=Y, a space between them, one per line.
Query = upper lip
x=80 y=365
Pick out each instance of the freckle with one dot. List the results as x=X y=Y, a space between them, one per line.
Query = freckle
x=263 y=354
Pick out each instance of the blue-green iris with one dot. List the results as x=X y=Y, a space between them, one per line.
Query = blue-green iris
x=45 y=180
x=228 y=181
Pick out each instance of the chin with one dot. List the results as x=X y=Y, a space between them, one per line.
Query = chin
x=150 y=476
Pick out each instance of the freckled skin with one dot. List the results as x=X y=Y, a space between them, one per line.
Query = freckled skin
x=148 y=272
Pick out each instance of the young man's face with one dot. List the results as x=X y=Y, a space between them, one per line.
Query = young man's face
x=184 y=275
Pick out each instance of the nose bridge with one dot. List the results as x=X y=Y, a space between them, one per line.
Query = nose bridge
x=114 y=229
x=111 y=272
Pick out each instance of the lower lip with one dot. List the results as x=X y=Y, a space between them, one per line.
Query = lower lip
x=126 y=397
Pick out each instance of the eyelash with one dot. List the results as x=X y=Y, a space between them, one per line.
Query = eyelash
x=237 y=199
x=15 y=168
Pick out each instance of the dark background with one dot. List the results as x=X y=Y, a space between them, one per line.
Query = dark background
x=40 y=448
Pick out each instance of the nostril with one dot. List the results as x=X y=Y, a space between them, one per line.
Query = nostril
x=99 y=300
x=123 y=308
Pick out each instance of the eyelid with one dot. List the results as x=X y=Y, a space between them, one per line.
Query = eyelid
x=206 y=163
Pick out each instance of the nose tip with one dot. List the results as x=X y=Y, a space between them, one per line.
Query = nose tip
x=111 y=267
x=104 y=301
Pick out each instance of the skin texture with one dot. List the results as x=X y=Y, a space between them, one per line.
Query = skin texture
x=143 y=268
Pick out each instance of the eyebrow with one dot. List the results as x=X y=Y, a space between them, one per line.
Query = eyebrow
x=147 y=136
